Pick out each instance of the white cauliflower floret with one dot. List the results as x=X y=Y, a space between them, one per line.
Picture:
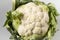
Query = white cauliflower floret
x=34 y=20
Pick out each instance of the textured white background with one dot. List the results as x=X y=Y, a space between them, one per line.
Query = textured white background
x=5 y=5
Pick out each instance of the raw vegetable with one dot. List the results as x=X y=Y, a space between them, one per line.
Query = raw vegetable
x=31 y=20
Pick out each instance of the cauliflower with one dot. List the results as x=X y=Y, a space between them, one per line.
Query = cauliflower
x=31 y=20
x=34 y=20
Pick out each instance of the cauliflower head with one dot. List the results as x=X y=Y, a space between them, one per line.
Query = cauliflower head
x=31 y=20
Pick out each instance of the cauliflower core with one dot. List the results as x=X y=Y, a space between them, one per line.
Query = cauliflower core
x=34 y=21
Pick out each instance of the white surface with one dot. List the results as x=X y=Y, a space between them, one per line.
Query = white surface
x=5 y=5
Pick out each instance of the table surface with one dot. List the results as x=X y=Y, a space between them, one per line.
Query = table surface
x=6 y=5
